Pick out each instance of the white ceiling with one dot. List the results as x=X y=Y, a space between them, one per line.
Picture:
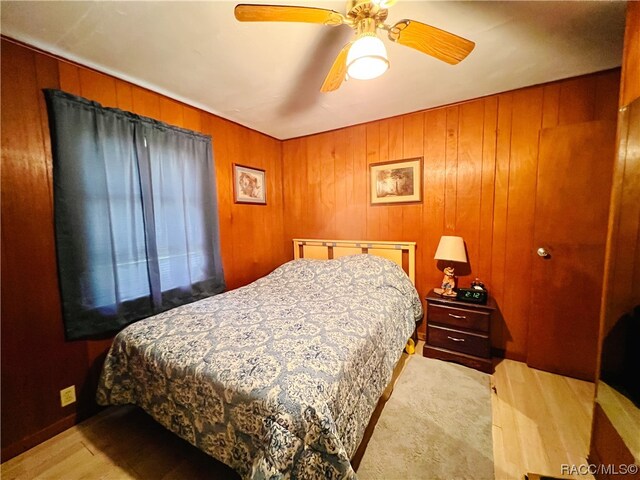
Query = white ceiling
x=267 y=76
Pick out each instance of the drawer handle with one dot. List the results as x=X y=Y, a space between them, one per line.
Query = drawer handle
x=455 y=339
x=456 y=316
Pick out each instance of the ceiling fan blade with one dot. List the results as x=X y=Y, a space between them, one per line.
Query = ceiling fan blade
x=442 y=45
x=286 y=13
x=338 y=71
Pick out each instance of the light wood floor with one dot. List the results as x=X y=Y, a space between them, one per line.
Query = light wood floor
x=540 y=421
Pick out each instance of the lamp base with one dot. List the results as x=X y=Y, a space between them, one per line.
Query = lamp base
x=444 y=293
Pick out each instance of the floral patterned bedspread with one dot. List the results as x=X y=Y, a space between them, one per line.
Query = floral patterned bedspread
x=277 y=379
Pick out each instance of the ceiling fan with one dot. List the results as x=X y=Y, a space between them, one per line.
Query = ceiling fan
x=365 y=57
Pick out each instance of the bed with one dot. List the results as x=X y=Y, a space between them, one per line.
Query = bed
x=277 y=379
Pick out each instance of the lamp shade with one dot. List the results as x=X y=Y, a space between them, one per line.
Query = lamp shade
x=451 y=249
x=367 y=58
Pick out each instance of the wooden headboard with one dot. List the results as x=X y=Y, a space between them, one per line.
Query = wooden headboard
x=401 y=253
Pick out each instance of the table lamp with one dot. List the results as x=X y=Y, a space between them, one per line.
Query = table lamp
x=450 y=249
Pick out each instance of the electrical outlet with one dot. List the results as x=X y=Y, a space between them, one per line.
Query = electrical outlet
x=68 y=395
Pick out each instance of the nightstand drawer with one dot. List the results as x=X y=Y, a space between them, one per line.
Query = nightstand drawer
x=466 y=342
x=458 y=317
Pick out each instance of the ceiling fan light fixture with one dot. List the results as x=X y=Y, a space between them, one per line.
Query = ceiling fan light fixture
x=385 y=3
x=367 y=58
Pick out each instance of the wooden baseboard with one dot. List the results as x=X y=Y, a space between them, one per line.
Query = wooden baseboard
x=518 y=357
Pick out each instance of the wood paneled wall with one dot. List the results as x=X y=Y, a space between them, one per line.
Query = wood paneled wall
x=480 y=163
x=36 y=360
x=622 y=281
x=621 y=291
x=630 y=81
x=622 y=287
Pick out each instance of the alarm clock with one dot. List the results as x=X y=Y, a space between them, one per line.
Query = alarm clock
x=472 y=295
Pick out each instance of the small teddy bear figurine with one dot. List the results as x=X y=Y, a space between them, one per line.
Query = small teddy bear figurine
x=448 y=282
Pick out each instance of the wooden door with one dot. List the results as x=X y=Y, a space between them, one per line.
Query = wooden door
x=575 y=168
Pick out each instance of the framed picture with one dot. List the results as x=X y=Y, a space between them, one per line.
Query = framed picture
x=249 y=185
x=399 y=181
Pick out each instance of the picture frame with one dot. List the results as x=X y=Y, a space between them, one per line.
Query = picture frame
x=249 y=185
x=396 y=181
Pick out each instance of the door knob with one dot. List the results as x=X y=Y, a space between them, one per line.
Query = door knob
x=542 y=252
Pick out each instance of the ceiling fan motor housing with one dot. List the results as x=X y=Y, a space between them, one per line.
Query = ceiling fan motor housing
x=358 y=10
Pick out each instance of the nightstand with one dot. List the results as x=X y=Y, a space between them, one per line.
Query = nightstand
x=459 y=331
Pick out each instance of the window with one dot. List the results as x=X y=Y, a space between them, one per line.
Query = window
x=135 y=215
